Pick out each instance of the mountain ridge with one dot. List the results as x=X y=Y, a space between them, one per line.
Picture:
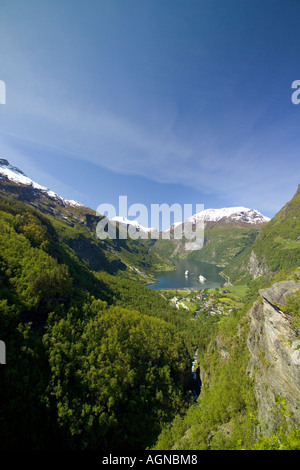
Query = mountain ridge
x=129 y=255
x=238 y=213
x=86 y=344
x=16 y=175
x=276 y=248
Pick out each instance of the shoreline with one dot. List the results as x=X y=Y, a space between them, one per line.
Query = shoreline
x=227 y=279
x=202 y=286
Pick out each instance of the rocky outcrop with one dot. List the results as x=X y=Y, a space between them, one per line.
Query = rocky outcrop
x=255 y=267
x=275 y=356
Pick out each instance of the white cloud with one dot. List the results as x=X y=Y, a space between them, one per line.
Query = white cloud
x=126 y=147
x=42 y=111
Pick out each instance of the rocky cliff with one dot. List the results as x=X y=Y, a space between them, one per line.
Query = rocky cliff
x=255 y=267
x=274 y=345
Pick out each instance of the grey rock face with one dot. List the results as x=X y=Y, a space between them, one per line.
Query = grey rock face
x=255 y=267
x=275 y=356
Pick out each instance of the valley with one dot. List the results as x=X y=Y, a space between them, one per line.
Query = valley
x=102 y=336
x=208 y=301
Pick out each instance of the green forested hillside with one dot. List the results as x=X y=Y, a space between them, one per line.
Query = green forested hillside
x=114 y=375
x=94 y=360
x=125 y=255
x=225 y=417
x=276 y=249
x=275 y=245
x=224 y=242
x=278 y=244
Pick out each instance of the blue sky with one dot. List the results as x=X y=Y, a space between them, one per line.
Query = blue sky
x=165 y=101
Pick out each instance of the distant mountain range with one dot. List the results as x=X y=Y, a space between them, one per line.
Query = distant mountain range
x=241 y=240
x=96 y=359
x=228 y=231
x=227 y=214
x=276 y=249
x=127 y=223
x=80 y=223
x=232 y=214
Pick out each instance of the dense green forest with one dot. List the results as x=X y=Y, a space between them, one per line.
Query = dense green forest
x=278 y=243
x=277 y=247
x=95 y=360
x=226 y=415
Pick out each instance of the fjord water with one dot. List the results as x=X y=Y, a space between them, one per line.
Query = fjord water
x=177 y=279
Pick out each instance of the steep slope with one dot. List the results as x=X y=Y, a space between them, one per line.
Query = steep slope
x=228 y=232
x=250 y=372
x=277 y=247
x=274 y=344
x=225 y=240
x=132 y=226
x=112 y=256
x=94 y=360
x=14 y=181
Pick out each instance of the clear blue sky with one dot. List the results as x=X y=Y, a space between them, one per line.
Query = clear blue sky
x=185 y=101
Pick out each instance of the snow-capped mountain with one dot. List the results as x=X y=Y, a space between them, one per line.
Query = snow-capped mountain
x=227 y=214
x=134 y=224
x=14 y=174
x=234 y=214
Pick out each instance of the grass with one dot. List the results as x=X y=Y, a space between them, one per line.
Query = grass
x=227 y=295
x=191 y=305
x=237 y=292
x=173 y=292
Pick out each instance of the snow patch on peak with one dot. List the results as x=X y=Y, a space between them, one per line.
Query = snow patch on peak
x=240 y=213
x=135 y=223
x=17 y=176
x=228 y=214
x=6 y=165
x=71 y=202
